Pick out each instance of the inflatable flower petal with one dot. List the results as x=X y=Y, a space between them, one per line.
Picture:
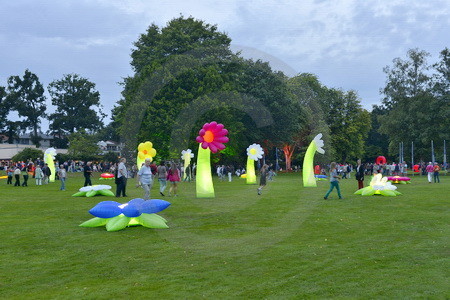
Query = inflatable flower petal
x=255 y=151
x=145 y=150
x=116 y=216
x=212 y=136
x=94 y=190
x=319 y=143
x=187 y=154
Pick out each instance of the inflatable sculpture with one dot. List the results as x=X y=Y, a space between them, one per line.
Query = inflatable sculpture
x=381 y=160
x=379 y=185
x=211 y=138
x=145 y=150
x=399 y=179
x=116 y=216
x=49 y=156
x=94 y=190
x=106 y=176
x=254 y=152
x=186 y=156
x=308 y=162
x=321 y=177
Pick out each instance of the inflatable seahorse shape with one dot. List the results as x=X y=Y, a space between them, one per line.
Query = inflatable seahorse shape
x=308 y=162
x=49 y=156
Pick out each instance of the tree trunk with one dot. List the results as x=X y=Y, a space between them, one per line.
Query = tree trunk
x=288 y=151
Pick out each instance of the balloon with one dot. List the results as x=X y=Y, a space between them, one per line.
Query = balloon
x=381 y=160
x=308 y=166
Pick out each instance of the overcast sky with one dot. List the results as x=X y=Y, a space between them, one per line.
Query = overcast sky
x=346 y=43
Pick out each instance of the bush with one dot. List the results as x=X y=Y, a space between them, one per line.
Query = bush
x=28 y=153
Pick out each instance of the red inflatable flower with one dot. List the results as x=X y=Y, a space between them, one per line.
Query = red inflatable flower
x=212 y=136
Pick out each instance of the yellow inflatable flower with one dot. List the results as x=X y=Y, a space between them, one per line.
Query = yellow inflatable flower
x=145 y=150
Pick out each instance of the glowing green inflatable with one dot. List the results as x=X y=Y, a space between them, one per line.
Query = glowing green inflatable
x=308 y=162
x=211 y=138
x=49 y=156
x=254 y=152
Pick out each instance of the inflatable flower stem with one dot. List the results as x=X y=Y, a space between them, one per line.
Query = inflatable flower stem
x=145 y=150
x=308 y=162
x=211 y=138
x=186 y=155
x=49 y=156
x=254 y=152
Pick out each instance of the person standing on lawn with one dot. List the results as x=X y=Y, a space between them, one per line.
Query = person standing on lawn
x=360 y=174
x=334 y=181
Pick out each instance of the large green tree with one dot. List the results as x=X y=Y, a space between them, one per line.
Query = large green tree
x=77 y=105
x=185 y=76
x=4 y=109
x=26 y=96
x=416 y=102
x=83 y=146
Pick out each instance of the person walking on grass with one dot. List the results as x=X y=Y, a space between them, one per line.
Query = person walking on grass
x=430 y=171
x=145 y=178
x=161 y=171
x=87 y=173
x=263 y=178
x=436 y=170
x=62 y=177
x=38 y=174
x=17 y=176
x=334 y=181
x=25 y=176
x=174 y=177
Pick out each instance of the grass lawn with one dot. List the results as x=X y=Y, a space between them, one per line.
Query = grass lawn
x=287 y=243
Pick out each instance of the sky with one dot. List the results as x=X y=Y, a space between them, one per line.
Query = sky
x=346 y=43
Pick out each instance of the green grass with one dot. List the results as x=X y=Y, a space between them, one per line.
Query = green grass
x=287 y=243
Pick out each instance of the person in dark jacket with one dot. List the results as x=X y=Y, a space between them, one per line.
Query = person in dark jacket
x=360 y=174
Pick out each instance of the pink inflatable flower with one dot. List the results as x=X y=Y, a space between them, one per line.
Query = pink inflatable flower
x=212 y=136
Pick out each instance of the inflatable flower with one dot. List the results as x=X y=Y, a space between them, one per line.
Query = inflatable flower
x=106 y=176
x=308 y=162
x=91 y=191
x=211 y=138
x=145 y=150
x=399 y=179
x=117 y=216
x=49 y=156
x=186 y=156
x=254 y=152
x=379 y=185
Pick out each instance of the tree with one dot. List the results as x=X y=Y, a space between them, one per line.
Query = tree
x=77 y=105
x=83 y=146
x=28 y=154
x=416 y=102
x=4 y=109
x=26 y=96
x=187 y=67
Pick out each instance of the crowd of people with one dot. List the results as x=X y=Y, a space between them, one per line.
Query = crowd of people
x=173 y=173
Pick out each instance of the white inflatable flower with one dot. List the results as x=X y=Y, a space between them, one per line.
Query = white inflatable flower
x=187 y=154
x=90 y=191
x=319 y=143
x=380 y=183
x=255 y=151
x=51 y=151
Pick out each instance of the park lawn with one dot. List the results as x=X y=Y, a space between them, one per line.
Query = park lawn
x=287 y=243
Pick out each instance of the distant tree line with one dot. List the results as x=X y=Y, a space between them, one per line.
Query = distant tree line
x=186 y=75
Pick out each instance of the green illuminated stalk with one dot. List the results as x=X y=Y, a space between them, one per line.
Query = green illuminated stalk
x=308 y=166
x=251 y=175
x=48 y=159
x=204 y=183
x=187 y=161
